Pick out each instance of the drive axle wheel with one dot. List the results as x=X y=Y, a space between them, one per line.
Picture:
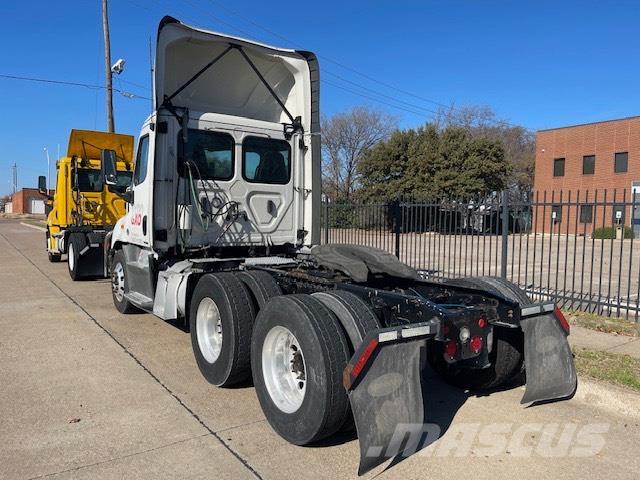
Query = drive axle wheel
x=285 y=375
x=221 y=321
x=298 y=354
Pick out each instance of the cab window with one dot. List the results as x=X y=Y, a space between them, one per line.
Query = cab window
x=266 y=160
x=212 y=153
x=142 y=160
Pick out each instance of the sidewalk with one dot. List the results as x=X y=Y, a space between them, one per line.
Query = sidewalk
x=605 y=342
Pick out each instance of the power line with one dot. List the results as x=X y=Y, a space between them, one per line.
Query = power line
x=327 y=82
x=72 y=84
x=353 y=70
x=250 y=36
x=404 y=105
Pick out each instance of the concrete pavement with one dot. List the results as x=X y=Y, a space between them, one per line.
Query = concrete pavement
x=144 y=410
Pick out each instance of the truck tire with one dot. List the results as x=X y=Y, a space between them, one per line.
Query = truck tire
x=119 y=285
x=355 y=316
x=221 y=322
x=507 y=356
x=262 y=286
x=298 y=354
x=76 y=244
x=53 y=257
x=357 y=319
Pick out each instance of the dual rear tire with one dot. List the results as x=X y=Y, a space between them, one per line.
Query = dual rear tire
x=294 y=347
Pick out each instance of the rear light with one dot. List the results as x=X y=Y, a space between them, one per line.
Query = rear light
x=350 y=373
x=476 y=344
x=451 y=349
x=362 y=361
x=482 y=322
x=563 y=321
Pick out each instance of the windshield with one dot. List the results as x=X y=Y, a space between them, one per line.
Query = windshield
x=90 y=180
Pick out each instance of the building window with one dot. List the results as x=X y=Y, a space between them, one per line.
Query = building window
x=588 y=164
x=618 y=214
x=558 y=167
x=556 y=214
x=621 y=162
x=586 y=213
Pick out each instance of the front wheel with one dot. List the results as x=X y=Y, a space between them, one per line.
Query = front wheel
x=119 y=284
x=53 y=257
x=298 y=354
x=76 y=244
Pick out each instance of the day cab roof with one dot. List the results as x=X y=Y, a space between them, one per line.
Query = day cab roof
x=88 y=144
x=207 y=71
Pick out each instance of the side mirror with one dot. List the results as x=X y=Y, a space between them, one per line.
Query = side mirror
x=108 y=166
x=42 y=185
x=127 y=195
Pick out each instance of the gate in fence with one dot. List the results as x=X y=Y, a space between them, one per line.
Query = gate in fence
x=579 y=249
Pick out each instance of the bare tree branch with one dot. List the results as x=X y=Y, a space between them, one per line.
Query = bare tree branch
x=345 y=138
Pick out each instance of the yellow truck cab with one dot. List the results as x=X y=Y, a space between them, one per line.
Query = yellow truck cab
x=84 y=208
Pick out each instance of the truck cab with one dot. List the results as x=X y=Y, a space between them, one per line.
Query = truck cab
x=83 y=207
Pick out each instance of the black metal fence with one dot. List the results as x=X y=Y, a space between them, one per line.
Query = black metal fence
x=579 y=249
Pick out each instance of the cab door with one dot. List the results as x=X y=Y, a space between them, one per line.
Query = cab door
x=140 y=212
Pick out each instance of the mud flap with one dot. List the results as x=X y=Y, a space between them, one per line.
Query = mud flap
x=551 y=374
x=387 y=397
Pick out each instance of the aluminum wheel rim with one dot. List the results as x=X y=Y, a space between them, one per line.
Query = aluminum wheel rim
x=283 y=369
x=71 y=258
x=117 y=281
x=209 y=329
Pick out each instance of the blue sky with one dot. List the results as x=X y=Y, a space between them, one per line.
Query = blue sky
x=536 y=63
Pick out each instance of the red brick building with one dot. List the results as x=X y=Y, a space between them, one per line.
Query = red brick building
x=28 y=200
x=578 y=164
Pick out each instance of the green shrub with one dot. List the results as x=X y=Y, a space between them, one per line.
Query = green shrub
x=609 y=233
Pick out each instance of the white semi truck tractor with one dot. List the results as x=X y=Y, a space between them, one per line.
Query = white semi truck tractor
x=222 y=232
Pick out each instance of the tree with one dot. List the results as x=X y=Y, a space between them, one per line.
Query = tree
x=435 y=163
x=345 y=138
x=518 y=142
x=383 y=168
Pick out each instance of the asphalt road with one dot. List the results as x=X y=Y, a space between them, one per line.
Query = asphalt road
x=88 y=393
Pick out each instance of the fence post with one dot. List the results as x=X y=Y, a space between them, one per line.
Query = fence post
x=326 y=222
x=396 y=225
x=505 y=235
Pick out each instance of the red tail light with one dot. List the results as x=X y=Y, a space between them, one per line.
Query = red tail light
x=482 y=322
x=476 y=344
x=362 y=361
x=563 y=321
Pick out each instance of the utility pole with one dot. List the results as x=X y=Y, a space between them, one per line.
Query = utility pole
x=15 y=179
x=107 y=66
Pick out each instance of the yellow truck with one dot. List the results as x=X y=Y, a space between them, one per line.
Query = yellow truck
x=85 y=207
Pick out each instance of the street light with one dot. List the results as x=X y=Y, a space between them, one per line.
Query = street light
x=48 y=169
